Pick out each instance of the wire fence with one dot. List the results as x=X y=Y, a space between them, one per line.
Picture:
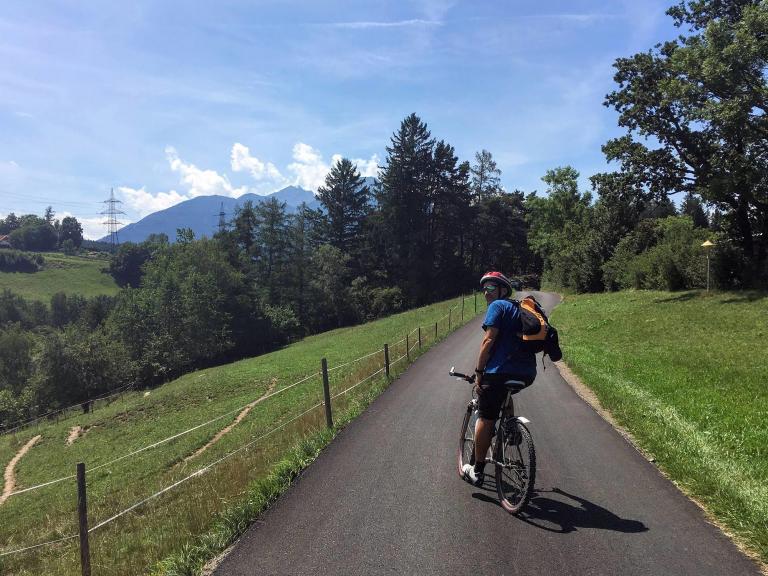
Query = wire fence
x=16 y=426
x=199 y=472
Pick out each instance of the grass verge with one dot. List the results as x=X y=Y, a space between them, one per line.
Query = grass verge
x=234 y=521
x=685 y=373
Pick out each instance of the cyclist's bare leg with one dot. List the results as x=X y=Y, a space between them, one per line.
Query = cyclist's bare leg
x=483 y=434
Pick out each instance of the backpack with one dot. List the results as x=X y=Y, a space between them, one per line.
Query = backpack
x=538 y=334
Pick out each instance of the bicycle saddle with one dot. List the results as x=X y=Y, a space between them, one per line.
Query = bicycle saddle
x=515 y=385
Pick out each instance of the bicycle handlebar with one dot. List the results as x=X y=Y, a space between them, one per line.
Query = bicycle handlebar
x=470 y=379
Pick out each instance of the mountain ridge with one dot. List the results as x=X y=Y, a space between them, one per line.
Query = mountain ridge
x=201 y=214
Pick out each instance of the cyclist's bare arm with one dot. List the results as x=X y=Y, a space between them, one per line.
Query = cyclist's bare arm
x=486 y=347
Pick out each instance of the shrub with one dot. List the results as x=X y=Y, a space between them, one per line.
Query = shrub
x=34 y=236
x=662 y=254
x=14 y=308
x=18 y=261
x=68 y=247
x=385 y=301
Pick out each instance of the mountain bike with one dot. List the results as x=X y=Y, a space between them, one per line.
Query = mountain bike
x=511 y=452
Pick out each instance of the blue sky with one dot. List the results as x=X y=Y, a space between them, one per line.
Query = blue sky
x=164 y=101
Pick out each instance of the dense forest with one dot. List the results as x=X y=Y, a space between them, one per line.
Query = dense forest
x=690 y=167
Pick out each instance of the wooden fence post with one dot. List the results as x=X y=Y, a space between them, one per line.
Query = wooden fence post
x=419 y=337
x=435 y=331
x=462 y=307
x=386 y=359
x=407 y=348
x=82 y=512
x=327 y=394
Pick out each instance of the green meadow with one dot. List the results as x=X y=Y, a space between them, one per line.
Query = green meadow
x=81 y=275
x=170 y=523
x=687 y=374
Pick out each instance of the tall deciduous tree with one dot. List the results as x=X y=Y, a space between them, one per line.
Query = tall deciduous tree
x=71 y=230
x=702 y=98
x=561 y=232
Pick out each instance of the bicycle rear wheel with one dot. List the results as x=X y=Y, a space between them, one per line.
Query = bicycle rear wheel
x=515 y=465
x=467 y=440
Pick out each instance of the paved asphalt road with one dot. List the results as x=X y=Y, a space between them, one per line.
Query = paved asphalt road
x=386 y=498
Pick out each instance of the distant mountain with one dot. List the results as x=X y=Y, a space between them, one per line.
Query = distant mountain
x=202 y=214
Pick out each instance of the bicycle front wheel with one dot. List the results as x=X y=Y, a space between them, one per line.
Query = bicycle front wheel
x=515 y=465
x=467 y=440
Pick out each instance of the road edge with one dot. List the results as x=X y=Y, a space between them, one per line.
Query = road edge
x=588 y=395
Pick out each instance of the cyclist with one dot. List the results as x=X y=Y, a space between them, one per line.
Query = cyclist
x=501 y=358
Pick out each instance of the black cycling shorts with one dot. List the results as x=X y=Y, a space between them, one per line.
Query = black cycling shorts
x=491 y=394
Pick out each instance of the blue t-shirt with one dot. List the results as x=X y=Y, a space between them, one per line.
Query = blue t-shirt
x=507 y=357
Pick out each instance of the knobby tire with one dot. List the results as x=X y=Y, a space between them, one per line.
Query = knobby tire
x=514 y=476
x=467 y=440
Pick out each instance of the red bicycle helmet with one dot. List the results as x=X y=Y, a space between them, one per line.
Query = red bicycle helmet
x=497 y=278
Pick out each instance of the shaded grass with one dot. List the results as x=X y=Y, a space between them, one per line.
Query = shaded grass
x=62 y=273
x=133 y=543
x=686 y=374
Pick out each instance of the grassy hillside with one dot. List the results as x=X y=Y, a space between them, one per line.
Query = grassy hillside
x=134 y=542
x=686 y=374
x=61 y=273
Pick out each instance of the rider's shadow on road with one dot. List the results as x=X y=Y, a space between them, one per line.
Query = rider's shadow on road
x=556 y=515
x=563 y=517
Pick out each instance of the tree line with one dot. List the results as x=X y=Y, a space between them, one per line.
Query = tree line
x=36 y=233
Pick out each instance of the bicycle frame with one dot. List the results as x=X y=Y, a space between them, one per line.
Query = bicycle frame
x=514 y=495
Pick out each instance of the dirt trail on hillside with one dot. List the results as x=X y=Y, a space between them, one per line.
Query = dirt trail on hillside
x=74 y=434
x=9 y=477
x=237 y=420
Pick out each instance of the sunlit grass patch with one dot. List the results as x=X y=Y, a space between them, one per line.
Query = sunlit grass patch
x=686 y=373
x=60 y=273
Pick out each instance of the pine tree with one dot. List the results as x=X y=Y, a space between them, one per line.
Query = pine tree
x=272 y=243
x=345 y=200
x=486 y=177
x=404 y=198
x=449 y=221
x=303 y=240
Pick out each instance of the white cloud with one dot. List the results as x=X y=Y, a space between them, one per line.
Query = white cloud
x=145 y=203
x=310 y=170
x=367 y=167
x=201 y=182
x=9 y=166
x=393 y=24
x=241 y=159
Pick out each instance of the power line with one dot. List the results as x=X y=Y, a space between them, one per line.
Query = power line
x=42 y=200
